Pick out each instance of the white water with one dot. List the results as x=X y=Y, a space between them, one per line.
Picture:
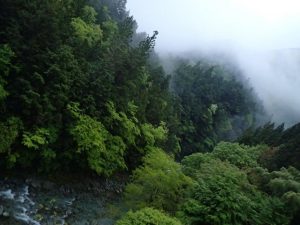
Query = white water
x=21 y=203
x=7 y=194
x=31 y=206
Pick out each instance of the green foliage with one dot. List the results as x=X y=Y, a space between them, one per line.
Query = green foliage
x=85 y=28
x=37 y=140
x=159 y=183
x=284 y=184
x=40 y=141
x=191 y=164
x=238 y=155
x=267 y=134
x=104 y=152
x=80 y=52
x=153 y=134
x=5 y=65
x=292 y=200
x=223 y=195
x=87 y=33
x=214 y=105
x=147 y=216
x=89 y=14
x=55 y=53
x=284 y=144
x=124 y=126
x=110 y=29
x=241 y=156
x=9 y=131
x=6 y=54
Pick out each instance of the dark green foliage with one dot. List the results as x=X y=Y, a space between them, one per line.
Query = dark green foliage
x=267 y=134
x=9 y=132
x=80 y=90
x=289 y=149
x=223 y=195
x=213 y=105
x=284 y=184
x=54 y=53
x=6 y=55
x=284 y=144
x=147 y=216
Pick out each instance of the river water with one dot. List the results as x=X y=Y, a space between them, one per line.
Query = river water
x=21 y=204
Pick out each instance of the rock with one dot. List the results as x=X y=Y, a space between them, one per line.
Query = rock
x=5 y=214
x=65 y=190
x=47 y=185
x=33 y=183
x=1 y=210
x=28 y=180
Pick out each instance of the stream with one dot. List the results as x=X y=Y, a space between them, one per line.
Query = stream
x=37 y=202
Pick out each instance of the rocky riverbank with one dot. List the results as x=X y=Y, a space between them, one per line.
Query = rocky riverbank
x=37 y=201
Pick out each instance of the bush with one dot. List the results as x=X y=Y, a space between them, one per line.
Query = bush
x=147 y=216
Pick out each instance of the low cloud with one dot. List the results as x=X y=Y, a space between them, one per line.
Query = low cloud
x=261 y=36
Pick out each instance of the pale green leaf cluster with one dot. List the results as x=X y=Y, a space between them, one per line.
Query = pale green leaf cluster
x=104 y=152
x=37 y=139
x=153 y=134
x=89 y=14
x=147 y=216
x=240 y=155
x=89 y=34
x=127 y=127
x=159 y=183
x=223 y=195
x=40 y=140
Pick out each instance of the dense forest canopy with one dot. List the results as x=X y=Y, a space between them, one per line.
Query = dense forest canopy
x=82 y=91
x=78 y=87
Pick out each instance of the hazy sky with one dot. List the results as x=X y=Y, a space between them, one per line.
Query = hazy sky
x=186 y=24
x=247 y=29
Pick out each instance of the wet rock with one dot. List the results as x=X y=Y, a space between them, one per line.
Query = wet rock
x=8 y=194
x=66 y=190
x=5 y=214
x=47 y=185
x=34 y=183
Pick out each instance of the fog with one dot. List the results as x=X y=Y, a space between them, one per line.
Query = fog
x=262 y=36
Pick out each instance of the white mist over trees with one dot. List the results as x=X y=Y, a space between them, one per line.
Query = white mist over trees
x=262 y=37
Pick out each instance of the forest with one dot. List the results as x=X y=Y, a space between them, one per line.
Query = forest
x=81 y=91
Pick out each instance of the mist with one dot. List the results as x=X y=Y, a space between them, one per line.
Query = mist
x=262 y=37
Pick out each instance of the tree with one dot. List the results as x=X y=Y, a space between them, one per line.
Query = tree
x=159 y=183
x=214 y=105
x=147 y=216
x=223 y=195
x=284 y=144
x=54 y=53
x=6 y=55
x=104 y=152
x=239 y=155
x=9 y=132
x=284 y=184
